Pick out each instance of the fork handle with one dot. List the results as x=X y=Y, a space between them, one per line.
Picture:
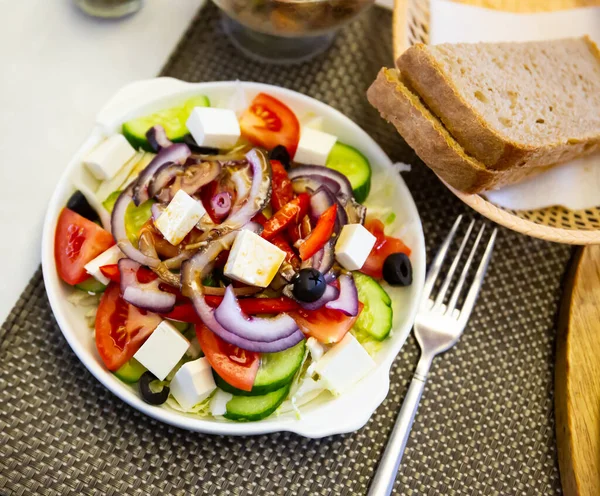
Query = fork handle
x=384 y=479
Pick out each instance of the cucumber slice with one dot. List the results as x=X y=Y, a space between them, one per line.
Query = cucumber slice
x=172 y=119
x=354 y=165
x=91 y=285
x=255 y=407
x=131 y=371
x=276 y=370
x=376 y=317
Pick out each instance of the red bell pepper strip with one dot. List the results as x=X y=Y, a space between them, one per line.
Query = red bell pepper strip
x=144 y=275
x=320 y=234
x=281 y=185
x=281 y=243
x=291 y=212
x=250 y=306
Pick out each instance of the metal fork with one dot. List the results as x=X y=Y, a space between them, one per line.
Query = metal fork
x=438 y=327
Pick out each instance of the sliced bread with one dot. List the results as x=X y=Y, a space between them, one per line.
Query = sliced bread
x=431 y=141
x=512 y=105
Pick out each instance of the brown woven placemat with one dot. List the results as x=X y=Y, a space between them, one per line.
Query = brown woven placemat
x=485 y=425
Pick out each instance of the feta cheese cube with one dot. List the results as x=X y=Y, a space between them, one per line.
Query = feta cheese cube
x=253 y=260
x=162 y=350
x=193 y=383
x=346 y=363
x=108 y=157
x=214 y=127
x=109 y=257
x=353 y=246
x=218 y=403
x=180 y=217
x=314 y=146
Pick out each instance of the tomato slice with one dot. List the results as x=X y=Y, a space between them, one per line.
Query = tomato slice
x=121 y=328
x=235 y=366
x=384 y=246
x=291 y=212
x=281 y=186
x=325 y=325
x=77 y=242
x=269 y=122
x=320 y=234
x=185 y=312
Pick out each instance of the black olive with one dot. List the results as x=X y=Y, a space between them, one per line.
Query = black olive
x=280 y=153
x=189 y=140
x=397 y=270
x=80 y=205
x=150 y=396
x=309 y=285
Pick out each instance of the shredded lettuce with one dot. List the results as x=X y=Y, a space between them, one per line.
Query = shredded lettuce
x=202 y=409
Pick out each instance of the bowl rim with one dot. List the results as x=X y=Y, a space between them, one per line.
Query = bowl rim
x=172 y=417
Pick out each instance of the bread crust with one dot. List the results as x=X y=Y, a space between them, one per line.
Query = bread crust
x=471 y=130
x=431 y=140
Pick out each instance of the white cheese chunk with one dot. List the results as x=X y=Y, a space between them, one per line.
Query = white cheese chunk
x=314 y=146
x=109 y=257
x=218 y=403
x=162 y=350
x=193 y=383
x=346 y=363
x=316 y=350
x=353 y=246
x=214 y=127
x=180 y=217
x=108 y=157
x=253 y=260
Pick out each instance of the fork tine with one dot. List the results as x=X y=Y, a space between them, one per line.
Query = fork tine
x=471 y=298
x=446 y=284
x=438 y=261
x=463 y=275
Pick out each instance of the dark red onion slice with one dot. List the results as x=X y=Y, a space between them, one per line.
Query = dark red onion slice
x=347 y=301
x=196 y=176
x=163 y=176
x=331 y=293
x=157 y=138
x=323 y=260
x=258 y=197
x=229 y=314
x=260 y=346
x=314 y=176
x=148 y=296
x=356 y=213
x=331 y=275
x=120 y=233
x=321 y=200
x=177 y=153
x=221 y=204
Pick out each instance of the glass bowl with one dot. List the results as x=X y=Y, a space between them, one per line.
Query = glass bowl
x=284 y=31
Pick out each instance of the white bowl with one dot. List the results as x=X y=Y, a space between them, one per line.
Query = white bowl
x=325 y=415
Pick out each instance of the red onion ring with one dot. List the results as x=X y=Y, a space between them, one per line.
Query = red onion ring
x=177 y=153
x=347 y=302
x=147 y=296
x=229 y=314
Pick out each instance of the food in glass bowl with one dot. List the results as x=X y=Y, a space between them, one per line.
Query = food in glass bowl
x=229 y=260
x=293 y=17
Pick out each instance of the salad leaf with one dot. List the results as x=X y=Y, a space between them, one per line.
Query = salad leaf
x=110 y=201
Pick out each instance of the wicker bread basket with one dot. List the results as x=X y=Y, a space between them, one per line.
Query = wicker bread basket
x=578 y=227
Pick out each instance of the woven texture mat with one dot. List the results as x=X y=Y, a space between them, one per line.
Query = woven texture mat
x=486 y=422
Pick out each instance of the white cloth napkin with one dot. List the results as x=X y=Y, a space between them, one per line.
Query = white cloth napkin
x=573 y=185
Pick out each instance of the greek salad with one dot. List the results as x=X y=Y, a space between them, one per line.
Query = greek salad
x=230 y=266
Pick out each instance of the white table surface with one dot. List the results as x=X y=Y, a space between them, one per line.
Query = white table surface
x=58 y=68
